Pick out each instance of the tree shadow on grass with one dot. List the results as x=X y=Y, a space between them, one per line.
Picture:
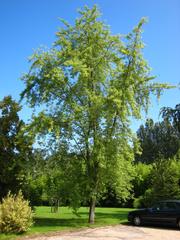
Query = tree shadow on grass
x=54 y=222
x=82 y=220
x=115 y=215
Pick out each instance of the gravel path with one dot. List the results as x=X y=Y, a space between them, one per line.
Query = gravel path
x=119 y=232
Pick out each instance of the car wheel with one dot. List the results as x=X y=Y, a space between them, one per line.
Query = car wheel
x=137 y=221
x=178 y=223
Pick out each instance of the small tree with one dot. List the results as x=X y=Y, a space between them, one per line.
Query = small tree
x=89 y=84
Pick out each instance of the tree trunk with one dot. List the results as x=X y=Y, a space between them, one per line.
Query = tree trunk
x=92 y=210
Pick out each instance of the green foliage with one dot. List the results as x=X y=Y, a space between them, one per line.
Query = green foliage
x=89 y=85
x=65 y=180
x=142 y=180
x=55 y=186
x=15 y=147
x=15 y=214
x=34 y=189
x=166 y=180
x=164 y=184
x=36 y=177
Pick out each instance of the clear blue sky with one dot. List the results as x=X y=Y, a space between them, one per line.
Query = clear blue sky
x=27 y=24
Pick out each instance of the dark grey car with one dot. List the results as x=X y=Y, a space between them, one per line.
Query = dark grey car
x=163 y=212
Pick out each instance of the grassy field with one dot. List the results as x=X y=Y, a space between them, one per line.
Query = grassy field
x=45 y=221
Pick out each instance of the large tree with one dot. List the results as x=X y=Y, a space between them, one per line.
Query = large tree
x=88 y=86
x=14 y=147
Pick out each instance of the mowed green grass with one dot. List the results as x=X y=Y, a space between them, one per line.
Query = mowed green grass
x=45 y=221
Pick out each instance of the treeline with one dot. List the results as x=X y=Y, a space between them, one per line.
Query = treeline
x=47 y=176
x=158 y=167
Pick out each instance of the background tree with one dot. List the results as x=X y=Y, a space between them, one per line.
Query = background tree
x=160 y=144
x=89 y=85
x=14 y=147
x=157 y=140
x=34 y=187
x=172 y=115
x=65 y=181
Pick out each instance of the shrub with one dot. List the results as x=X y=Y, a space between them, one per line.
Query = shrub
x=15 y=214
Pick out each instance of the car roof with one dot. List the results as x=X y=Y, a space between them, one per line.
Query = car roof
x=176 y=201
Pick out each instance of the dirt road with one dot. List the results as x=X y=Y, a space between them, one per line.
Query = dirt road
x=119 y=232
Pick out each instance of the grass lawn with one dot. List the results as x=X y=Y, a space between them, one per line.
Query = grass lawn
x=45 y=221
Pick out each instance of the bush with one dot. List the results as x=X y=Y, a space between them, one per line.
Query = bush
x=15 y=214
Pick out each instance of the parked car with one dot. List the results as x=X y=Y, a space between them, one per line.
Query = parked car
x=163 y=212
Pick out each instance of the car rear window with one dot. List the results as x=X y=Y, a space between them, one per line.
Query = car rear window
x=163 y=206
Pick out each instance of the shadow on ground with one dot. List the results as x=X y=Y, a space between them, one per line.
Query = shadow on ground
x=74 y=222
x=115 y=215
x=82 y=220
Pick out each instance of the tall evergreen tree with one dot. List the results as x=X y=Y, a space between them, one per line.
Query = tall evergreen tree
x=157 y=140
